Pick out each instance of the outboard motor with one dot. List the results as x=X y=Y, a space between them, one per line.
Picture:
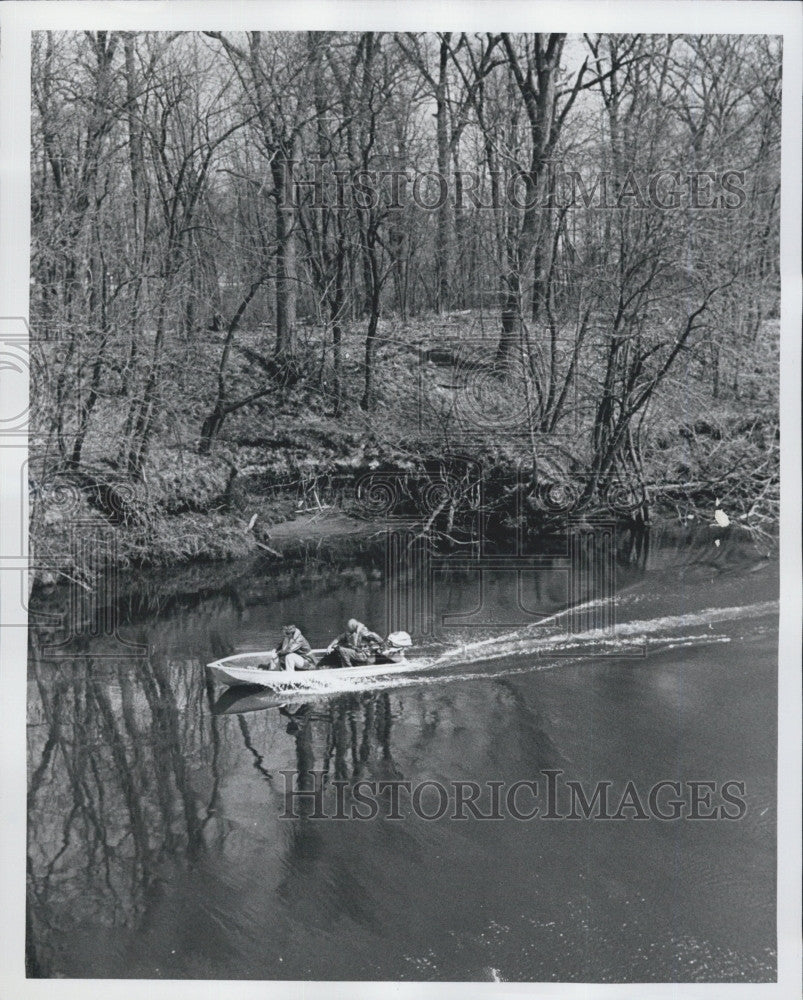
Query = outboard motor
x=395 y=645
x=399 y=641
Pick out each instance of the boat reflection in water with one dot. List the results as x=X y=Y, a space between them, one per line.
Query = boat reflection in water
x=341 y=738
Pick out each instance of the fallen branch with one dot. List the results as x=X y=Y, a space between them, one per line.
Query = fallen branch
x=267 y=548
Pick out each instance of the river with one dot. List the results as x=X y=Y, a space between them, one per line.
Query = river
x=166 y=838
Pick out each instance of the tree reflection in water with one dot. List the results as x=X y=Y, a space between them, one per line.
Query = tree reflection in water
x=356 y=743
x=129 y=773
x=110 y=794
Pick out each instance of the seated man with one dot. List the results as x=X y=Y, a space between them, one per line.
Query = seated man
x=356 y=646
x=294 y=651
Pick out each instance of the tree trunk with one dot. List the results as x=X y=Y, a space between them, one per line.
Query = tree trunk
x=462 y=278
x=537 y=84
x=211 y=428
x=510 y=338
x=337 y=307
x=367 y=401
x=441 y=117
x=286 y=274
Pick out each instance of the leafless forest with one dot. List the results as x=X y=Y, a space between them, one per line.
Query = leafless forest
x=264 y=265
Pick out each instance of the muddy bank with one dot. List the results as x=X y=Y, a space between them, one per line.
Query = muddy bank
x=328 y=545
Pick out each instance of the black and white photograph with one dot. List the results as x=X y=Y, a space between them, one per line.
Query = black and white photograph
x=400 y=449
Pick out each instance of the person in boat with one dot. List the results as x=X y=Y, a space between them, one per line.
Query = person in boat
x=357 y=646
x=294 y=652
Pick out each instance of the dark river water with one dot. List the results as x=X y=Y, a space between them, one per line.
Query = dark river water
x=166 y=838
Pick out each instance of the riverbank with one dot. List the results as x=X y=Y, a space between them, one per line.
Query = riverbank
x=274 y=532
x=331 y=549
x=447 y=432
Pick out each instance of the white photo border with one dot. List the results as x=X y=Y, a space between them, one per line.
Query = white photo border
x=17 y=21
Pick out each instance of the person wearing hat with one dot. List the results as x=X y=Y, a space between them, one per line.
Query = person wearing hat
x=294 y=652
x=357 y=646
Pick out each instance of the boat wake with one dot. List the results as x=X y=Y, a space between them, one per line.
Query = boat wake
x=621 y=636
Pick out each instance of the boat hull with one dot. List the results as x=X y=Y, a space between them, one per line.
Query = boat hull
x=243 y=670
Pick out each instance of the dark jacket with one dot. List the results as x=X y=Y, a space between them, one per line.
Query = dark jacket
x=295 y=643
x=358 y=639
